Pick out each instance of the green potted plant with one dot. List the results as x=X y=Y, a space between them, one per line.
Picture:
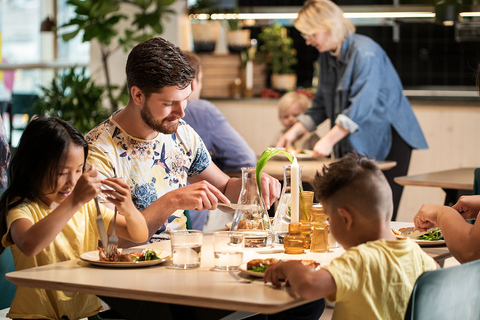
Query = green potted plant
x=101 y=20
x=74 y=97
x=204 y=31
x=238 y=39
x=278 y=53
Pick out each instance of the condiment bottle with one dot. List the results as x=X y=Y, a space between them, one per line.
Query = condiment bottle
x=320 y=229
x=306 y=202
x=294 y=243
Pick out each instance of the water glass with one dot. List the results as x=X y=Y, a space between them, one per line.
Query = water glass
x=228 y=250
x=186 y=248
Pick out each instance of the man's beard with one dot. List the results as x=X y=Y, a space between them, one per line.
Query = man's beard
x=161 y=126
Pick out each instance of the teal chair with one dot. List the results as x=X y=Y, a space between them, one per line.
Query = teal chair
x=446 y=294
x=476 y=181
x=19 y=105
x=8 y=289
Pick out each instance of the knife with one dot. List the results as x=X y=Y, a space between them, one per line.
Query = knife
x=101 y=226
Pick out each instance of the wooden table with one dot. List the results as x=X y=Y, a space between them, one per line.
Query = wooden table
x=455 y=183
x=152 y=288
x=275 y=168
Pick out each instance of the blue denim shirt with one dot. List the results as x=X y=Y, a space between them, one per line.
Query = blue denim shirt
x=362 y=93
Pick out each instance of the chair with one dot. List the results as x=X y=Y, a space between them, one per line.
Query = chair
x=476 y=181
x=446 y=294
x=8 y=289
x=21 y=104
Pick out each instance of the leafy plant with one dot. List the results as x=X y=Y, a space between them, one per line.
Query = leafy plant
x=277 y=50
x=204 y=6
x=266 y=155
x=99 y=20
x=74 y=97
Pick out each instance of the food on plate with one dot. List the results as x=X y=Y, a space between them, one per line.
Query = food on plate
x=260 y=265
x=293 y=150
x=145 y=255
x=433 y=235
x=117 y=257
x=250 y=224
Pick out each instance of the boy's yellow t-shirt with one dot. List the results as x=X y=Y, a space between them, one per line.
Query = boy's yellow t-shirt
x=78 y=236
x=375 y=280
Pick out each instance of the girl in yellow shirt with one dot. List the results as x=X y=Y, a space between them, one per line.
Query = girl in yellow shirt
x=48 y=214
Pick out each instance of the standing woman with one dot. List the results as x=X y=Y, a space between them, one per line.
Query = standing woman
x=359 y=91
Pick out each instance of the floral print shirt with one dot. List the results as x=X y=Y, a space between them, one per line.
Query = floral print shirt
x=150 y=167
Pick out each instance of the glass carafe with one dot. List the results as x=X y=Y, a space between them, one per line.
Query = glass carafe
x=282 y=214
x=251 y=215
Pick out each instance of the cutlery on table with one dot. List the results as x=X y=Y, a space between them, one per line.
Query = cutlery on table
x=113 y=239
x=237 y=277
x=101 y=226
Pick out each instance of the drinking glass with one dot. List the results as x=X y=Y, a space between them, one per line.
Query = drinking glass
x=186 y=248
x=228 y=250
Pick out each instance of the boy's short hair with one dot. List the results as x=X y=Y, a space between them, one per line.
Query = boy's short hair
x=291 y=97
x=155 y=64
x=357 y=181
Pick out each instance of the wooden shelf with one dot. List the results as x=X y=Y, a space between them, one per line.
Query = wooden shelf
x=220 y=71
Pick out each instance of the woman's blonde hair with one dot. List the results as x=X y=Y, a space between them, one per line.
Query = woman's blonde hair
x=323 y=15
x=290 y=98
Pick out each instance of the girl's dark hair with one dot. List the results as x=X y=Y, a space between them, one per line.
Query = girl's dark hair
x=40 y=153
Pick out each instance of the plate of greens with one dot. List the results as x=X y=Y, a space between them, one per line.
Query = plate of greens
x=432 y=238
x=256 y=272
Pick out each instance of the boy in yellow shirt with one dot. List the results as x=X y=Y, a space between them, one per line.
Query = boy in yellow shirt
x=374 y=278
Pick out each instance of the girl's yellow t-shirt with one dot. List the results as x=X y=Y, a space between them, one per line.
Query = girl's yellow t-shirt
x=78 y=236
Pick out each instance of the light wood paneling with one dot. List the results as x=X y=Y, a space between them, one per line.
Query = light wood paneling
x=220 y=71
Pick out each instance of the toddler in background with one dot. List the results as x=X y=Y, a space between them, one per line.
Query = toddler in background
x=374 y=278
x=48 y=215
x=290 y=106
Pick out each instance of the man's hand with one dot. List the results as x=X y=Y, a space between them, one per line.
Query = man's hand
x=198 y=196
x=426 y=217
x=468 y=206
x=271 y=189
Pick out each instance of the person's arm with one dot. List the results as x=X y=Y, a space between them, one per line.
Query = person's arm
x=291 y=135
x=462 y=238
x=305 y=281
x=468 y=206
x=32 y=238
x=324 y=146
x=130 y=224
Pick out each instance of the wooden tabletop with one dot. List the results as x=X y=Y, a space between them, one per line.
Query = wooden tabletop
x=460 y=179
x=196 y=287
x=275 y=167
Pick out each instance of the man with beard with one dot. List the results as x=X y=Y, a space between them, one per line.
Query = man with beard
x=155 y=151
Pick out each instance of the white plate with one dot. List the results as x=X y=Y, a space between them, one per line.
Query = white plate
x=93 y=258
x=428 y=243
x=243 y=268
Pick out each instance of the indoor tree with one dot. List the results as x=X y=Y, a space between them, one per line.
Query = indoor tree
x=100 y=20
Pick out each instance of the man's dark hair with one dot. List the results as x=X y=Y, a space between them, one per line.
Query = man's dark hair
x=157 y=63
x=355 y=180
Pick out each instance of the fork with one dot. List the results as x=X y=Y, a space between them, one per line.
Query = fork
x=237 y=277
x=113 y=239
